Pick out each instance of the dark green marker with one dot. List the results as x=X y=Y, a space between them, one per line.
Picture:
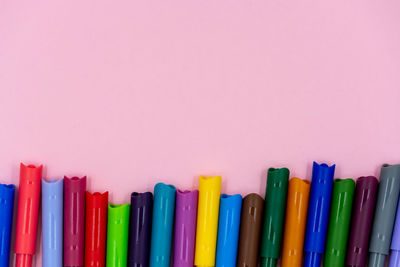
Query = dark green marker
x=274 y=216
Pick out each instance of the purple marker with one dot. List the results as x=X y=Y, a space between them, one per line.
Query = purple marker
x=185 y=228
x=395 y=246
x=361 y=222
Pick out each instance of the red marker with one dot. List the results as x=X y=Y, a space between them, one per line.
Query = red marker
x=27 y=214
x=96 y=229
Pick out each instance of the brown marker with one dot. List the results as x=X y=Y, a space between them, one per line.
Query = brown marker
x=250 y=227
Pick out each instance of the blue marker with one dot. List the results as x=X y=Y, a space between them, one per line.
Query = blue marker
x=162 y=225
x=6 y=211
x=318 y=213
x=228 y=230
x=52 y=220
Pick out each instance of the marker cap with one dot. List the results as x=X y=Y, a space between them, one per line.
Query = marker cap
x=27 y=214
x=274 y=216
x=385 y=213
x=377 y=259
x=295 y=224
x=140 y=229
x=312 y=259
x=117 y=235
x=339 y=221
x=250 y=228
x=96 y=229
x=74 y=221
x=185 y=227
x=228 y=230
x=23 y=260
x=52 y=222
x=361 y=222
x=6 y=210
x=395 y=245
x=394 y=258
x=318 y=213
x=162 y=225
x=207 y=220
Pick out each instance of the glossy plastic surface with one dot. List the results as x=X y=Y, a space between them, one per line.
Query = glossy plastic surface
x=274 y=216
x=361 y=221
x=250 y=230
x=96 y=229
x=207 y=220
x=7 y=193
x=185 y=228
x=74 y=221
x=385 y=213
x=27 y=214
x=117 y=235
x=339 y=222
x=295 y=222
x=52 y=223
x=162 y=225
x=228 y=230
x=318 y=213
x=140 y=229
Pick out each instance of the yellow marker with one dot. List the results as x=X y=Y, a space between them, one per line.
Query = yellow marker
x=207 y=220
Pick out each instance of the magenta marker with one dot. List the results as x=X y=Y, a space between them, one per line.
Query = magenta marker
x=185 y=228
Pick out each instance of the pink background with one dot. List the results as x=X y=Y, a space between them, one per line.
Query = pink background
x=130 y=93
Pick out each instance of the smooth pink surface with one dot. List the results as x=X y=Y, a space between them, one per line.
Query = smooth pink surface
x=130 y=93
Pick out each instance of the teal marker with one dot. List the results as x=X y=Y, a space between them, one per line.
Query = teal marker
x=162 y=225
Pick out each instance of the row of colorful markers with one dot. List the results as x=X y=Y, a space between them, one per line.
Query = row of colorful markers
x=298 y=222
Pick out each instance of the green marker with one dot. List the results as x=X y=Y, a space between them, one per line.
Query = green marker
x=339 y=221
x=274 y=216
x=117 y=235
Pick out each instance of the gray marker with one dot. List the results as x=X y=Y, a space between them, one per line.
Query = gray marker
x=385 y=213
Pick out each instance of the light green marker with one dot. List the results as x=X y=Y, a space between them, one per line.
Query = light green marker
x=117 y=235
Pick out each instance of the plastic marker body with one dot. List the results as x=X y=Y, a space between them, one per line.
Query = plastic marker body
x=395 y=246
x=52 y=222
x=117 y=235
x=339 y=221
x=140 y=229
x=27 y=214
x=74 y=221
x=185 y=228
x=228 y=230
x=250 y=228
x=385 y=212
x=162 y=225
x=318 y=213
x=6 y=211
x=295 y=225
x=274 y=216
x=96 y=229
x=207 y=220
x=361 y=222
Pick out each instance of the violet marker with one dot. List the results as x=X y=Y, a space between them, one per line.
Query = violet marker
x=185 y=228
x=395 y=246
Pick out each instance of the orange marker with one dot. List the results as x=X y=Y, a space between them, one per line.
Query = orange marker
x=296 y=217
